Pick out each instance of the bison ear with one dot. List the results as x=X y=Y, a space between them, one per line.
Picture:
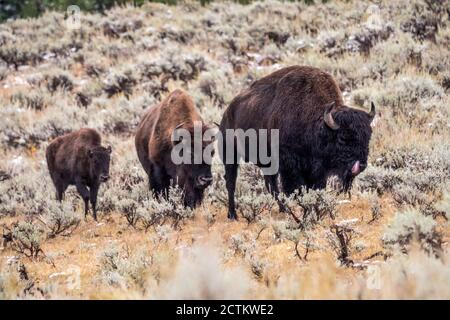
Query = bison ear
x=177 y=138
x=109 y=149
x=328 y=117
x=179 y=126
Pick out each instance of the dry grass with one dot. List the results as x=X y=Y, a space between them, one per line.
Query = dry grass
x=107 y=73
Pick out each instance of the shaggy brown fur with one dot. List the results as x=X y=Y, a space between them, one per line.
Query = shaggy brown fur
x=79 y=159
x=297 y=100
x=154 y=146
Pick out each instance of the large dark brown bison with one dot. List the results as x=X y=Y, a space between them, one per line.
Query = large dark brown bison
x=154 y=147
x=318 y=135
x=79 y=159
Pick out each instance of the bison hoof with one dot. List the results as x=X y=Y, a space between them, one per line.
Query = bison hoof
x=232 y=216
x=282 y=208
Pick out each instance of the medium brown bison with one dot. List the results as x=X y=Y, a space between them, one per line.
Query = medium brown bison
x=79 y=159
x=318 y=135
x=154 y=147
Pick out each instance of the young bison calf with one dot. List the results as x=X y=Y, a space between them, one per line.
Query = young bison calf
x=79 y=159
x=154 y=147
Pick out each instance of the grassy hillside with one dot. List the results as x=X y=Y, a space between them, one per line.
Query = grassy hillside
x=390 y=240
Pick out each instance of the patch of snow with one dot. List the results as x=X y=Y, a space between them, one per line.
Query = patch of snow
x=17 y=164
x=58 y=274
x=11 y=259
x=48 y=56
x=348 y=222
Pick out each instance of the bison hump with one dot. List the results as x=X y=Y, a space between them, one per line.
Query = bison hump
x=88 y=136
x=177 y=108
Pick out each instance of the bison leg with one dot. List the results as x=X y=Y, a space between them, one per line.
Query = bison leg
x=159 y=181
x=84 y=192
x=93 y=197
x=272 y=187
x=153 y=183
x=60 y=189
x=271 y=184
x=291 y=181
x=230 y=178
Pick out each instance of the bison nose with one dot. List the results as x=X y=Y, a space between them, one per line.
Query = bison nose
x=362 y=167
x=356 y=169
x=205 y=180
x=104 y=177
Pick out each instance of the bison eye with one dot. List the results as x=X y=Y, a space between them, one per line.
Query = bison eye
x=342 y=140
x=345 y=137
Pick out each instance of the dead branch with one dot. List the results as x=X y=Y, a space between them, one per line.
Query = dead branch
x=344 y=236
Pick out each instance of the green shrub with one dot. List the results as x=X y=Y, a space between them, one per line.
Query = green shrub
x=121 y=269
x=409 y=226
x=59 y=218
x=311 y=205
x=27 y=238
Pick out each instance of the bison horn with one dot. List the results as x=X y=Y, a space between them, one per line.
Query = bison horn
x=372 y=110
x=179 y=126
x=216 y=124
x=328 y=118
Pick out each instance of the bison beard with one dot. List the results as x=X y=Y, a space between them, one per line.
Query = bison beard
x=319 y=135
